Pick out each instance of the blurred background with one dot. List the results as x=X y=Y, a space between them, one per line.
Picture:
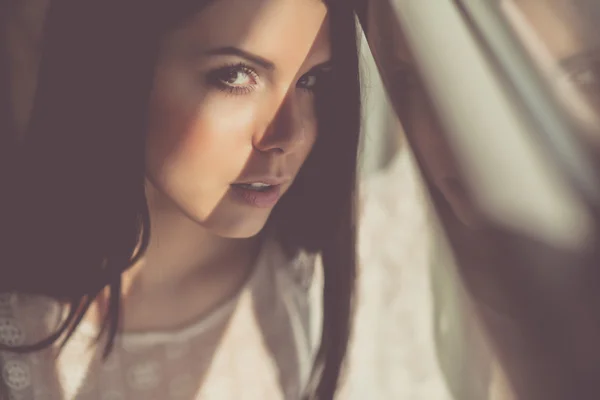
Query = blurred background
x=479 y=224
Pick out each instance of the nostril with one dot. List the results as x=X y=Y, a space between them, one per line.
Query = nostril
x=273 y=148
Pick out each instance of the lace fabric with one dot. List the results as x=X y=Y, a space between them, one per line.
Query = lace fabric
x=258 y=345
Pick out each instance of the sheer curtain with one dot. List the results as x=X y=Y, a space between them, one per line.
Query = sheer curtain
x=414 y=336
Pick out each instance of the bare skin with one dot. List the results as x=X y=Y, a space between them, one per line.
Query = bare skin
x=217 y=118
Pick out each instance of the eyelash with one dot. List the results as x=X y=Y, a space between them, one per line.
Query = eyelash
x=216 y=79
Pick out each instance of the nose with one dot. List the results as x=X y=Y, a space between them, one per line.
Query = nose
x=285 y=132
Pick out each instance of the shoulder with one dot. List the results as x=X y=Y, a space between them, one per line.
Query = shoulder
x=294 y=271
x=298 y=282
x=298 y=286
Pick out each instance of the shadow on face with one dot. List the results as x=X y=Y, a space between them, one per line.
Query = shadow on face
x=232 y=113
x=232 y=116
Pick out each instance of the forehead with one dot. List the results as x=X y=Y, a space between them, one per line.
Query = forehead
x=279 y=30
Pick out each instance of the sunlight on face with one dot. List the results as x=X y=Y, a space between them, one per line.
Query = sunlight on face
x=233 y=105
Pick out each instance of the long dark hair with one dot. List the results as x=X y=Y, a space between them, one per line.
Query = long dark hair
x=77 y=215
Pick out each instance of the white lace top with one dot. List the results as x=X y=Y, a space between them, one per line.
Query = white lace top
x=259 y=345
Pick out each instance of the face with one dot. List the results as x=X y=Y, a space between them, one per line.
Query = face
x=232 y=115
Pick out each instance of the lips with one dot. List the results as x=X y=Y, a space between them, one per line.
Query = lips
x=256 y=195
x=263 y=180
x=258 y=186
x=260 y=191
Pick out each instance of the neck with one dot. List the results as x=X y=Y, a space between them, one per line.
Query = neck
x=181 y=251
x=185 y=272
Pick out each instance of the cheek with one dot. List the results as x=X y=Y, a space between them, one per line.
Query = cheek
x=309 y=125
x=310 y=140
x=197 y=136
x=169 y=125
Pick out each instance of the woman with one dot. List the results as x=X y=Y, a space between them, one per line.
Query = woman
x=184 y=164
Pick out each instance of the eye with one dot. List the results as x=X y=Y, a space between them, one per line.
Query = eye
x=308 y=81
x=315 y=78
x=236 y=79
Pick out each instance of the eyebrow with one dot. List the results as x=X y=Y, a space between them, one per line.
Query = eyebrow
x=235 y=51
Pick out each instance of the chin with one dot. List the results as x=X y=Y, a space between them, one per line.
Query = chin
x=235 y=225
x=244 y=231
x=228 y=219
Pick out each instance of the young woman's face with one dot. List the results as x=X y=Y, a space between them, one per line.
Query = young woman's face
x=232 y=110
